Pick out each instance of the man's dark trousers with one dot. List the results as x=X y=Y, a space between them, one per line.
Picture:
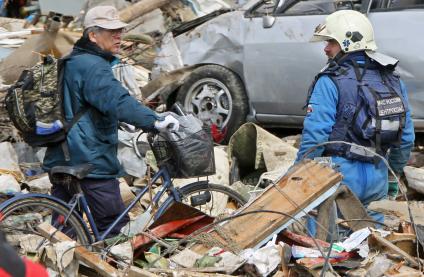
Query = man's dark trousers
x=104 y=200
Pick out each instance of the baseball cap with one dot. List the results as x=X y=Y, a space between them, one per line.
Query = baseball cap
x=106 y=17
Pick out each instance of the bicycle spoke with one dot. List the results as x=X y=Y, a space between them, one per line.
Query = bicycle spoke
x=21 y=218
x=214 y=200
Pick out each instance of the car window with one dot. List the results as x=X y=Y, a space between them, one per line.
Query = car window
x=382 y=5
x=310 y=7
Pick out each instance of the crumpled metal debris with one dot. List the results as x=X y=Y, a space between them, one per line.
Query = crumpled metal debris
x=214 y=38
x=204 y=7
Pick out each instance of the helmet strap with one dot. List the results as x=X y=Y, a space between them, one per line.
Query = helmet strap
x=339 y=57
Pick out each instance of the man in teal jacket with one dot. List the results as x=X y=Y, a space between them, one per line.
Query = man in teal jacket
x=356 y=83
x=89 y=85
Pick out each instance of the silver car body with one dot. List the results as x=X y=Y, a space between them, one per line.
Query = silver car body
x=278 y=64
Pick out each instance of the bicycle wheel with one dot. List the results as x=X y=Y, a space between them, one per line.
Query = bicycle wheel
x=20 y=218
x=212 y=199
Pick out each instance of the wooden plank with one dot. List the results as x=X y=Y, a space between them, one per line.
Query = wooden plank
x=285 y=254
x=399 y=237
x=304 y=240
x=405 y=241
x=295 y=191
x=140 y=8
x=81 y=253
x=279 y=274
x=406 y=274
x=401 y=270
x=27 y=55
x=22 y=33
x=317 y=263
x=384 y=242
x=188 y=272
x=139 y=272
x=318 y=273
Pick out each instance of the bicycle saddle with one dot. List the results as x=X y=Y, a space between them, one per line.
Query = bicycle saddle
x=77 y=171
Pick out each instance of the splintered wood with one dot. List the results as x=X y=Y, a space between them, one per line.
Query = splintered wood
x=140 y=8
x=83 y=254
x=290 y=195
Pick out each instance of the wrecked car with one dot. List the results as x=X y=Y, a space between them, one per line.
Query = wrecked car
x=256 y=64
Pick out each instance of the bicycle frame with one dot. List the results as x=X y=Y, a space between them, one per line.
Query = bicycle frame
x=80 y=201
x=20 y=196
x=167 y=185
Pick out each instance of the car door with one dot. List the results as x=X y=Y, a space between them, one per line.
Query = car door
x=398 y=29
x=280 y=62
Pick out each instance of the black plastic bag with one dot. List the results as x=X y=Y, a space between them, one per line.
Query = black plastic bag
x=187 y=152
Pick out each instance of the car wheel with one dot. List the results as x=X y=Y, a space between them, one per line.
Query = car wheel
x=216 y=96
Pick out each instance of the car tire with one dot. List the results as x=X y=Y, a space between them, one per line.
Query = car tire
x=216 y=95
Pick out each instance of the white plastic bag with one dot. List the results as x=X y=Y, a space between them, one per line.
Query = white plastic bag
x=266 y=259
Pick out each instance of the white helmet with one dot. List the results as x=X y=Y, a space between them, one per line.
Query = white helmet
x=351 y=29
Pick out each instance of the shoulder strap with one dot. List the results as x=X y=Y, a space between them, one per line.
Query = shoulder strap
x=67 y=126
x=332 y=69
x=358 y=74
x=60 y=74
x=60 y=78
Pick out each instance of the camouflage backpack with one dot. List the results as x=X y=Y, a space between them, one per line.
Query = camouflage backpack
x=34 y=104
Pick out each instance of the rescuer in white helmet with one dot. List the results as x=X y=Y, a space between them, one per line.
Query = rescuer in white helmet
x=359 y=99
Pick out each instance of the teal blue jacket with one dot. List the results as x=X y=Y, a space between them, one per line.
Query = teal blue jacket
x=89 y=82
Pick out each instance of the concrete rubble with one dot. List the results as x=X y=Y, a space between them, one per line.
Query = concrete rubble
x=265 y=237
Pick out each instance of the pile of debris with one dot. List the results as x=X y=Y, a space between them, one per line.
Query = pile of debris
x=283 y=199
x=266 y=237
x=23 y=41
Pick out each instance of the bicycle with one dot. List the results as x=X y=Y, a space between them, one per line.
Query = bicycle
x=21 y=214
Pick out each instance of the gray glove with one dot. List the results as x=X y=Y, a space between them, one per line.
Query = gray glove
x=169 y=123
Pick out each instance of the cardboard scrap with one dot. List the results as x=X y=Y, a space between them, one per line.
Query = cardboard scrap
x=397 y=211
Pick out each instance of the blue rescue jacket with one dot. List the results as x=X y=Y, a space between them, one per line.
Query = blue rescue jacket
x=371 y=110
x=367 y=180
x=89 y=83
x=336 y=89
